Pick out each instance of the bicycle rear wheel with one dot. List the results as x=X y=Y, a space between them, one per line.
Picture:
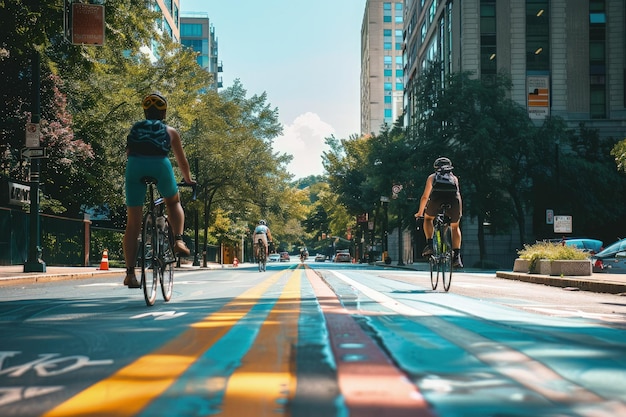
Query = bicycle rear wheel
x=261 y=257
x=434 y=273
x=149 y=261
x=166 y=271
x=446 y=260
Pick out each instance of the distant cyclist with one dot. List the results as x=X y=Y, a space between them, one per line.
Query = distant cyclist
x=261 y=231
x=148 y=145
x=430 y=204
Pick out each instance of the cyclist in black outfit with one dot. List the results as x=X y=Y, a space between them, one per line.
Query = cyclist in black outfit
x=430 y=204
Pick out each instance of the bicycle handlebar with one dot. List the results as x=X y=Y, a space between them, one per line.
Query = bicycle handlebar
x=193 y=188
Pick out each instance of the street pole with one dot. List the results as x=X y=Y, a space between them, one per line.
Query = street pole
x=400 y=240
x=34 y=262
x=196 y=261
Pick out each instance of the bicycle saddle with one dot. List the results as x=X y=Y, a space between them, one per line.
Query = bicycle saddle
x=149 y=180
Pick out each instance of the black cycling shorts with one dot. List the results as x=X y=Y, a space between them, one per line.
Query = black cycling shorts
x=433 y=206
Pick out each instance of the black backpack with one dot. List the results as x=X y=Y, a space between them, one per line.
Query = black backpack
x=444 y=180
x=149 y=137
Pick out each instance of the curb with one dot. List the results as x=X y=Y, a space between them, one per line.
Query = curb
x=599 y=286
x=61 y=276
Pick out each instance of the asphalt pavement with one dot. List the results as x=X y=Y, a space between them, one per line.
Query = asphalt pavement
x=596 y=282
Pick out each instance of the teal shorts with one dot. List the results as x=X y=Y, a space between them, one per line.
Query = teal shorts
x=158 y=167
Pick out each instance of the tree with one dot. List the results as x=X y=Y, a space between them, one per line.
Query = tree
x=488 y=137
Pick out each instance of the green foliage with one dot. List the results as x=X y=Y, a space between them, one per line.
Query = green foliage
x=550 y=251
x=619 y=153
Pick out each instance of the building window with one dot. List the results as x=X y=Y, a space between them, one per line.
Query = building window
x=388 y=113
x=191 y=30
x=537 y=35
x=488 y=62
x=388 y=87
x=597 y=59
x=387 y=99
x=387 y=46
x=388 y=73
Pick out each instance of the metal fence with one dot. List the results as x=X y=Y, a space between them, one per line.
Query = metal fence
x=68 y=242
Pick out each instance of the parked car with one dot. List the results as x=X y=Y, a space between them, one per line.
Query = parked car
x=611 y=259
x=284 y=257
x=274 y=257
x=343 y=257
x=592 y=246
x=320 y=257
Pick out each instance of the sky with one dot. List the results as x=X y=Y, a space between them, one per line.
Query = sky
x=306 y=55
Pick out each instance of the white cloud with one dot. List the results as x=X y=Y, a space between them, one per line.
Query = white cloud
x=304 y=139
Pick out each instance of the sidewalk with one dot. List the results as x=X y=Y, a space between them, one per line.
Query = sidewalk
x=596 y=282
x=15 y=275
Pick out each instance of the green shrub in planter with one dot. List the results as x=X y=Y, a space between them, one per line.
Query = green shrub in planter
x=550 y=251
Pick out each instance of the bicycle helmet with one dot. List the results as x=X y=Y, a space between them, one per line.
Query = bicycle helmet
x=263 y=222
x=442 y=162
x=154 y=100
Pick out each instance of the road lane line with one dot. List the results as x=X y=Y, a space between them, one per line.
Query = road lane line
x=130 y=389
x=370 y=383
x=265 y=381
x=516 y=365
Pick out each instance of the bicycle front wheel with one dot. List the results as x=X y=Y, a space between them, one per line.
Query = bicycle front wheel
x=166 y=271
x=149 y=261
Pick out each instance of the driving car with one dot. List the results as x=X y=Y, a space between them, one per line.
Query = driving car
x=284 y=257
x=611 y=259
x=320 y=257
x=343 y=257
x=274 y=257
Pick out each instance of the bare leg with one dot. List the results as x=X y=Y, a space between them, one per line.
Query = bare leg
x=456 y=235
x=175 y=214
x=133 y=228
x=428 y=226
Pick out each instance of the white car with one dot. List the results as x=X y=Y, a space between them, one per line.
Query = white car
x=274 y=257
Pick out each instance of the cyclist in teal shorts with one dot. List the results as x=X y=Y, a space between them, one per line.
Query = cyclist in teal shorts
x=148 y=146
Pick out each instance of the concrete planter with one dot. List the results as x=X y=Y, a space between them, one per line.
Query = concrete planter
x=547 y=267
x=521 y=265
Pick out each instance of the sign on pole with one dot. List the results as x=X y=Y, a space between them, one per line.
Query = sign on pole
x=87 y=24
x=33 y=134
x=562 y=224
x=34 y=153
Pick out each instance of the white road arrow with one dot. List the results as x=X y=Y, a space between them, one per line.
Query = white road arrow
x=160 y=315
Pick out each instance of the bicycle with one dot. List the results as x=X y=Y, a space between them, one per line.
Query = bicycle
x=156 y=252
x=441 y=259
x=261 y=255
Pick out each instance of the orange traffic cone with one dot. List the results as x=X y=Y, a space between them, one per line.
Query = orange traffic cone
x=104 y=263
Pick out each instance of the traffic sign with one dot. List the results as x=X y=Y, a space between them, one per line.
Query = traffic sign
x=34 y=153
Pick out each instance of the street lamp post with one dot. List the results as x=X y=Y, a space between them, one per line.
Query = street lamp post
x=34 y=262
x=196 y=261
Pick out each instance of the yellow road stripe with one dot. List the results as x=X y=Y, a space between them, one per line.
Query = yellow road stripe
x=130 y=389
x=265 y=381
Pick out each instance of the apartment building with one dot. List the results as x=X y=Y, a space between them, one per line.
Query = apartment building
x=565 y=57
x=382 y=69
x=198 y=33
